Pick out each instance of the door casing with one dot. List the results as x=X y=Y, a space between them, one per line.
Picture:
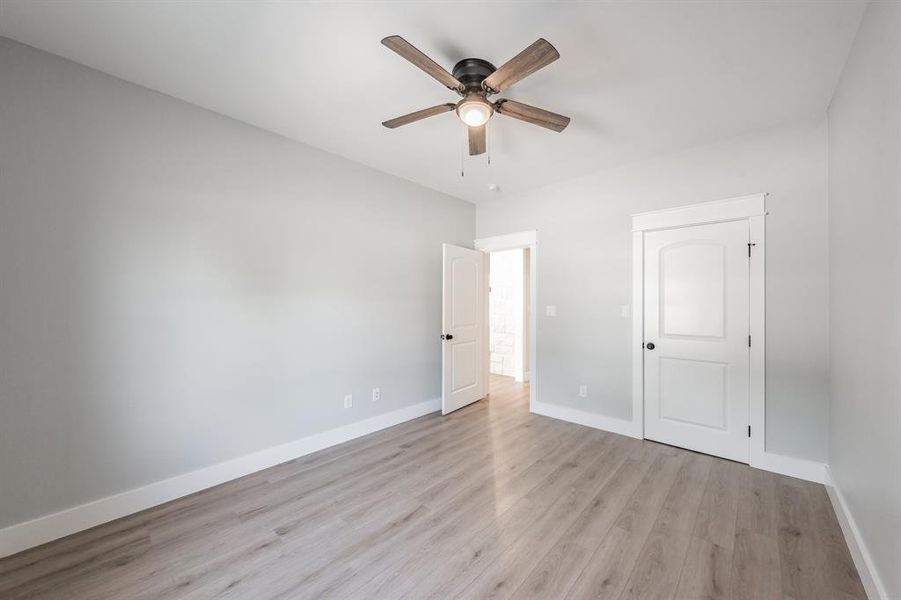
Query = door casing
x=752 y=209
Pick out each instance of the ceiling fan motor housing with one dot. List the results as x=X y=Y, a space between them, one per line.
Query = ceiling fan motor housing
x=472 y=71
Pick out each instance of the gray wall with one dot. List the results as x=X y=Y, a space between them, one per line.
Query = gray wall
x=585 y=265
x=865 y=286
x=178 y=288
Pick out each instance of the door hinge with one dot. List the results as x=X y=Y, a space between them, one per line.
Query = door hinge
x=749 y=431
x=749 y=248
x=749 y=341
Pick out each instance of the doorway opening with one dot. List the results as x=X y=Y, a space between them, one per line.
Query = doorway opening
x=509 y=318
x=510 y=361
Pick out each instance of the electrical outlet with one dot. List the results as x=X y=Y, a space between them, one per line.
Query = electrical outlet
x=376 y=394
x=625 y=311
x=550 y=310
x=583 y=391
x=348 y=401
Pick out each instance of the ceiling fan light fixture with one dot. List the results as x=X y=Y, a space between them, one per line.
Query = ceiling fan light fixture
x=475 y=79
x=474 y=110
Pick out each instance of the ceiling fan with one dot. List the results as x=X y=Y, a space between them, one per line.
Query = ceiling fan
x=475 y=80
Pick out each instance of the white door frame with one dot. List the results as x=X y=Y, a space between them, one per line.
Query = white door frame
x=513 y=241
x=745 y=208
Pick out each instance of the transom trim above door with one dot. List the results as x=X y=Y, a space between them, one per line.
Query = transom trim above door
x=732 y=209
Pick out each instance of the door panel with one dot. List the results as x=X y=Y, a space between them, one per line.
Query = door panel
x=697 y=318
x=692 y=289
x=465 y=365
x=693 y=391
x=464 y=323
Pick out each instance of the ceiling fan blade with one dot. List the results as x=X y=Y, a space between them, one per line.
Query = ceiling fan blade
x=415 y=56
x=530 y=114
x=538 y=55
x=477 y=143
x=418 y=115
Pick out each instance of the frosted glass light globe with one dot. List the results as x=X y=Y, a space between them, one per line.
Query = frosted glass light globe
x=475 y=112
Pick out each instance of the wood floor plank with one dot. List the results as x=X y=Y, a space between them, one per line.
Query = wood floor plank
x=482 y=504
x=707 y=571
x=757 y=509
x=487 y=502
x=453 y=474
x=718 y=512
x=658 y=566
x=556 y=572
x=462 y=565
x=292 y=504
x=371 y=448
x=482 y=486
x=755 y=567
x=612 y=562
x=501 y=578
x=797 y=544
x=318 y=577
x=834 y=563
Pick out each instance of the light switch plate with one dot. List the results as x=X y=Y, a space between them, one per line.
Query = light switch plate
x=550 y=310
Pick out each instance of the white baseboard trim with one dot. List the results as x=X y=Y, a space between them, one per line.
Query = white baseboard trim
x=41 y=530
x=784 y=465
x=581 y=417
x=869 y=576
x=800 y=468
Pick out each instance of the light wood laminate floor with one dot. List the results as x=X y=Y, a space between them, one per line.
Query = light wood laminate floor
x=489 y=502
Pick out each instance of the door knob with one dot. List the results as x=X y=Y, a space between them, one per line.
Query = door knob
x=447 y=337
x=650 y=346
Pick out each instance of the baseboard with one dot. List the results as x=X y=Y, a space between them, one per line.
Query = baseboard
x=869 y=576
x=581 y=417
x=784 y=465
x=801 y=468
x=22 y=536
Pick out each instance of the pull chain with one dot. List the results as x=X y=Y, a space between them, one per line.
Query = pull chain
x=463 y=149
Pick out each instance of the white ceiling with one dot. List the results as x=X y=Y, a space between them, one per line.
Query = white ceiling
x=637 y=78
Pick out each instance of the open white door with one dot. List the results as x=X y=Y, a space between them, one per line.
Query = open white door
x=696 y=357
x=463 y=318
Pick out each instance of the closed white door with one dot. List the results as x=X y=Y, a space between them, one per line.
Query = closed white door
x=696 y=355
x=464 y=308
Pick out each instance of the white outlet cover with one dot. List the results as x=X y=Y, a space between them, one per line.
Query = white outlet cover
x=348 y=401
x=583 y=391
x=376 y=394
x=550 y=310
x=625 y=311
